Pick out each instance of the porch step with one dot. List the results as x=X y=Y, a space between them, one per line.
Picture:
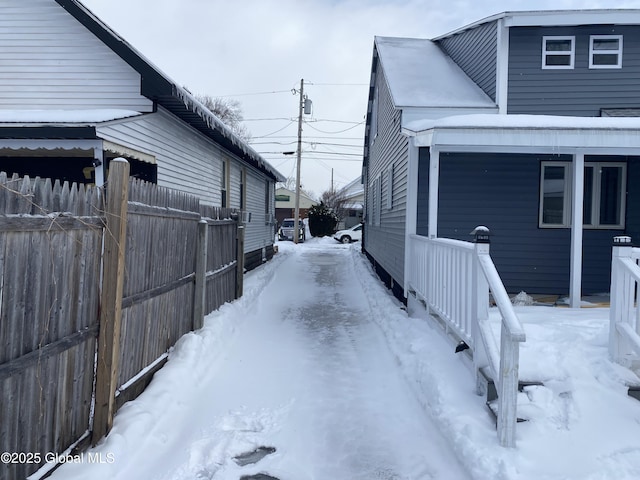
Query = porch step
x=486 y=386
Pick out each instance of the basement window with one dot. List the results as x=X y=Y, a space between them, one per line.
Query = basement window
x=605 y=51
x=558 y=52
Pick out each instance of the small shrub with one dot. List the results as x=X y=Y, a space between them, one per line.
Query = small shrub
x=322 y=221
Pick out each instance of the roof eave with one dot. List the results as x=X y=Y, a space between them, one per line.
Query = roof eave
x=159 y=88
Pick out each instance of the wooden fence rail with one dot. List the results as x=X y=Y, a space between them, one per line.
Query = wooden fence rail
x=54 y=304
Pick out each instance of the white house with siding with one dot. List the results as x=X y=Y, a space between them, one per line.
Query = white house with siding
x=74 y=95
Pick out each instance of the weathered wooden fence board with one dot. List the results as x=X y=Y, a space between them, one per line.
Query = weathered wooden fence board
x=51 y=241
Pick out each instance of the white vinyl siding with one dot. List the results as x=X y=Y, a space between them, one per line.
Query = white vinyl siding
x=259 y=231
x=558 y=52
x=190 y=162
x=605 y=51
x=48 y=60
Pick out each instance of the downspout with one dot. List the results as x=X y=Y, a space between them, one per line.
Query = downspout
x=411 y=220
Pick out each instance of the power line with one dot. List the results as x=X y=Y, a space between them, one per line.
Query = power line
x=341 y=131
x=277 y=131
x=254 y=93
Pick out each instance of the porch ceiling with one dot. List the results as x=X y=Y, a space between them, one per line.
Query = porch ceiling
x=527 y=133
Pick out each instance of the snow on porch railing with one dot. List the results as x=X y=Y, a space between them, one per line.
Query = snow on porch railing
x=624 y=313
x=453 y=279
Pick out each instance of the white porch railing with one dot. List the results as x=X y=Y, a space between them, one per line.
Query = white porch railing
x=453 y=279
x=624 y=313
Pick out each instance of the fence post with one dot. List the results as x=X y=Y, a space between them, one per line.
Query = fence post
x=619 y=301
x=507 y=383
x=479 y=300
x=111 y=298
x=240 y=258
x=200 y=287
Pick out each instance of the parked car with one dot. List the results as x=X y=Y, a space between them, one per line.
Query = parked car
x=349 y=235
x=287 y=230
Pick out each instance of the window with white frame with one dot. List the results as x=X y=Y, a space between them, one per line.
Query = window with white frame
x=390 y=188
x=558 y=52
x=604 y=195
x=224 y=184
x=605 y=51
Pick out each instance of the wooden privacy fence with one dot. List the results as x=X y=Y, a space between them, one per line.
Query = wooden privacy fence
x=92 y=286
x=452 y=279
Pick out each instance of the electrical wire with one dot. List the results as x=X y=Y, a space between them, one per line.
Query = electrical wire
x=340 y=131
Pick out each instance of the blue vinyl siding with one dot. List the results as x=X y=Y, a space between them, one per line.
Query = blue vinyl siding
x=580 y=91
x=475 y=51
x=385 y=242
x=502 y=191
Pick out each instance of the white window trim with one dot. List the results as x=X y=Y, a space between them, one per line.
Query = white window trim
x=571 y=53
x=597 y=186
x=566 y=209
x=593 y=52
x=595 y=203
x=225 y=194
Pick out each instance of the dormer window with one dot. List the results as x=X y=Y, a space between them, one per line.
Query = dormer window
x=558 y=52
x=605 y=51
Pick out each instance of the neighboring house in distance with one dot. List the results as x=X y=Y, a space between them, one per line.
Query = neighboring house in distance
x=354 y=203
x=286 y=204
x=74 y=95
x=507 y=123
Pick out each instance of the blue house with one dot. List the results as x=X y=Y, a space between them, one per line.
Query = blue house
x=525 y=122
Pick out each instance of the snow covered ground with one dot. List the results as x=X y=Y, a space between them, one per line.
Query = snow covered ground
x=320 y=362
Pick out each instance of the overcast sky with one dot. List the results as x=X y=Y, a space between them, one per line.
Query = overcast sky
x=257 y=51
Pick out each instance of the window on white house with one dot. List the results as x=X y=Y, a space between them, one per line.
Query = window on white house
x=558 y=52
x=224 y=184
x=604 y=195
x=605 y=51
x=243 y=190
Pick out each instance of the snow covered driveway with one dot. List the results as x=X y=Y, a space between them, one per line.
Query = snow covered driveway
x=300 y=367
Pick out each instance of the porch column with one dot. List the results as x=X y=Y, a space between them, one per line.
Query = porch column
x=575 y=287
x=434 y=180
x=412 y=207
x=98 y=164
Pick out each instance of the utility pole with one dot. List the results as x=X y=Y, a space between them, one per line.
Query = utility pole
x=296 y=231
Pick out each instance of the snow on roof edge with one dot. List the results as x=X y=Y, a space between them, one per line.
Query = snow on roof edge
x=185 y=96
x=532 y=122
x=537 y=13
x=86 y=117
